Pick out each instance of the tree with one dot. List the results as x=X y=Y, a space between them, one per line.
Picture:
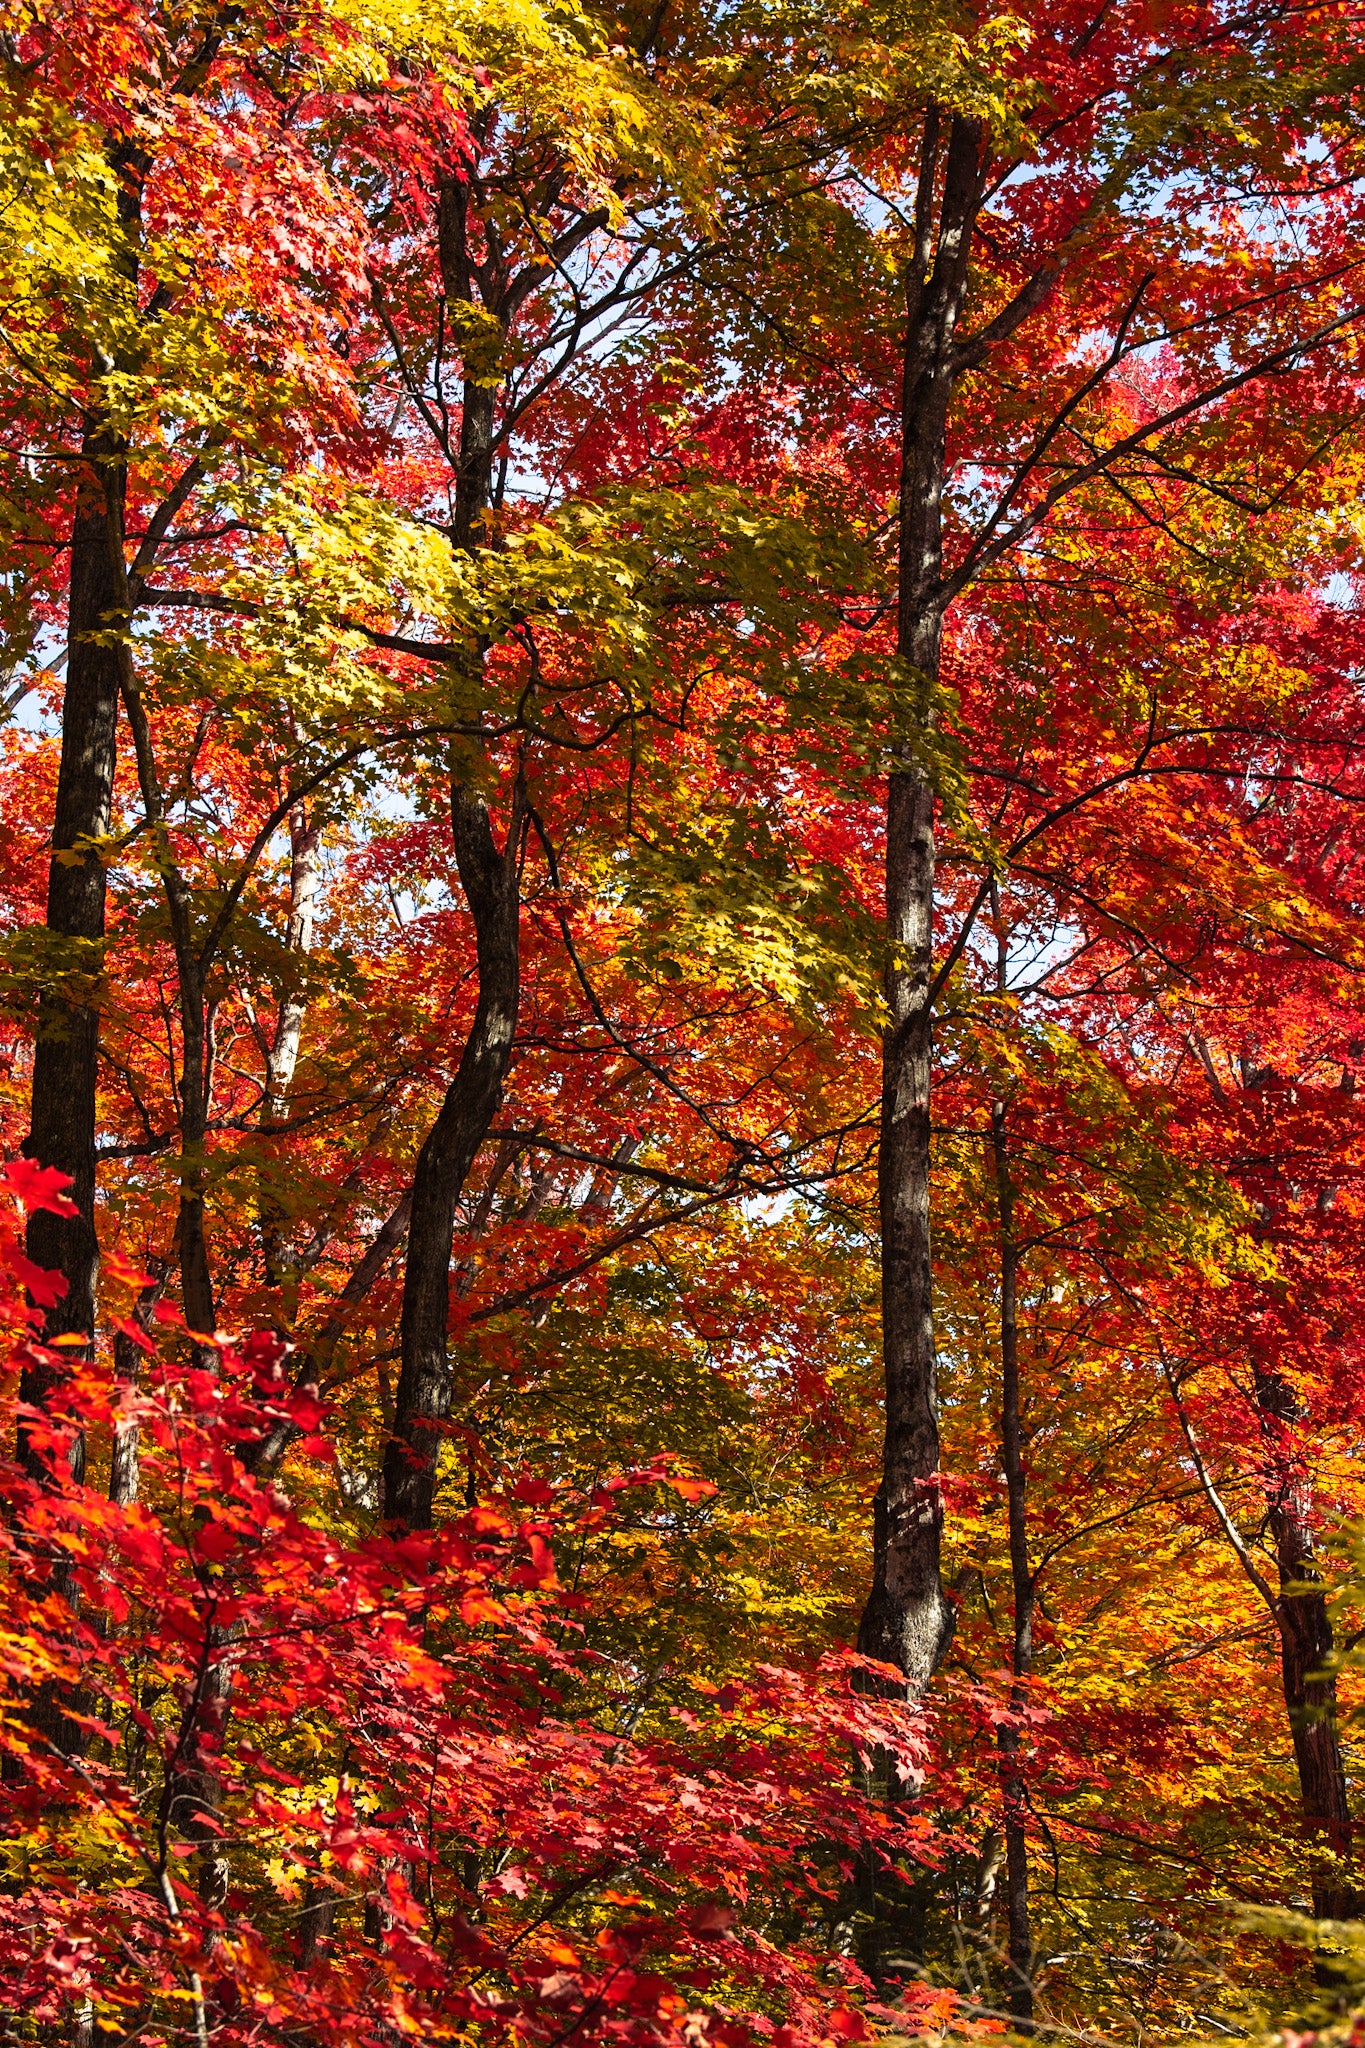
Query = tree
x=731 y=636
x=1037 y=229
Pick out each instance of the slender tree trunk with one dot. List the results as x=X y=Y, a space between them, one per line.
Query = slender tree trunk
x=194 y=1792
x=908 y=1620
x=1020 y=1940
x=196 y=1280
x=196 y=1277
x=124 y=1474
x=1305 y=1629
x=1306 y=1642
x=462 y=275
x=263 y=1456
x=1304 y=1626
x=65 y=1059
x=304 y=845
x=492 y=883
x=282 y=1054
x=66 y=1053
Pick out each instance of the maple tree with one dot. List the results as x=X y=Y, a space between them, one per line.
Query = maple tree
x=649 y=650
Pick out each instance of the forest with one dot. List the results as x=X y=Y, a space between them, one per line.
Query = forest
x=682 y=1005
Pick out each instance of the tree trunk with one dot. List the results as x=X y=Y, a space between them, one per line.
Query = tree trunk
x=196 y=1276
x=1310 y=1698
x=66 y=1052
x=196 y=1280
x=1306 y=1636
x=304 y=843
x=492 y=883
x=65 y=1057
x=1019 y=1991
x=282 y=1057
x=194 y=1790
x=1306 y=1642
x=124 y=1474
x=908 y=1620
x=460 y=274
x=316 y=1922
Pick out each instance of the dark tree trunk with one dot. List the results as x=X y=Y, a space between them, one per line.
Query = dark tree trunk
x=1306 y=1637
x=462 y=275
x=492 y=883
x=66 y=1050
x=196 y=1074
x=1306 y=1643
x=194 y=1791
x=1310 y=1698
x=62 y=1133
x=1019 y=1991
x=316 y=1922
x=908 y=1620
x=66 y=1054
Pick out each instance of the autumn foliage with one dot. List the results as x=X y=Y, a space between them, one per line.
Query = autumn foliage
x=398 y=1713
x=680 y=1013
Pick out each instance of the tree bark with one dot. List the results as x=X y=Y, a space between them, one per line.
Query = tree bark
x=492 y=883
x=304 y=843
x=1306 y=1636
x=66 y=1052
x=1019 y=1991
x=908 y=1620
x=282 y=1054
x=316 y=1922
x=1306 y=1643
x=124 y=1470
x=196 y=1278
x=193 y=1793
x=62 y=1132
x=461 y=273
